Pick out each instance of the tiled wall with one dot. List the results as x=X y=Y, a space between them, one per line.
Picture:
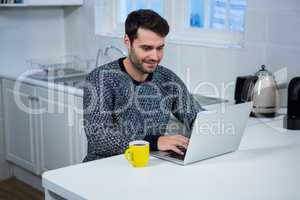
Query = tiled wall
x=271 y=38
x=29 y=33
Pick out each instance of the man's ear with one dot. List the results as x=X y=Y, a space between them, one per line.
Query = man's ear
x=126 y=41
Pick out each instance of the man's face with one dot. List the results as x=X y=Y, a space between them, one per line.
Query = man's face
x=146 y=51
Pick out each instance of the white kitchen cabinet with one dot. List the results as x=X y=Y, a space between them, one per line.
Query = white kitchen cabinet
x=80 y=139
x=4 y=170
x=56 y=129
x=43 y=127
x=32 y=3
x=1 y=128
x=19 y=125
x=54 y=2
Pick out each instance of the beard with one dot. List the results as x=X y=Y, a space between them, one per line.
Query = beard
x=138 y=63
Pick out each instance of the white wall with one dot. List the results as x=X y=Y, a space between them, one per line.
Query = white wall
x=29 y=33
x=271 y=38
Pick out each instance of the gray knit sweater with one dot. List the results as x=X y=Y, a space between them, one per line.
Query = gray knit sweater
x=118 y=109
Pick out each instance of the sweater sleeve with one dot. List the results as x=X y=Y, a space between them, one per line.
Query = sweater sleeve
x=105 y=137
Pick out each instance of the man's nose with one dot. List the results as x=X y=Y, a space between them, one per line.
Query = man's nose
x=154 y=55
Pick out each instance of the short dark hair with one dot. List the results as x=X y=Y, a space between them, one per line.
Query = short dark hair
x=147 y=19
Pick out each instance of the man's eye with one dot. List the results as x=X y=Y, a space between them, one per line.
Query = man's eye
x=146 y=48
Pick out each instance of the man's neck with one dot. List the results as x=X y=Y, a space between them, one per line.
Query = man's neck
x=133 y=72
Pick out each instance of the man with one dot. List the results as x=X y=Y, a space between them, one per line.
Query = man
x=132 y=98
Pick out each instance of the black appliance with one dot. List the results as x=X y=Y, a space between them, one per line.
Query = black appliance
x=244 y=88
x=292 y=119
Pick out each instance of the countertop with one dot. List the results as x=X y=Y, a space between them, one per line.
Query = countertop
x=44 y=84
x=265 y=167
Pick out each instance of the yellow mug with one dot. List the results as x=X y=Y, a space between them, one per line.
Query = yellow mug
x=138 y=153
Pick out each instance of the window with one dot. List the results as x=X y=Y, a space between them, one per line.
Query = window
x=228 y=14
x=126 y=6
x=196 y=13
x=217 y=23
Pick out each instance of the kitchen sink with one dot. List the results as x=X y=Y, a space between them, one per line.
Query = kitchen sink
x=74 y=81
x=62 y=76
x=56 y=73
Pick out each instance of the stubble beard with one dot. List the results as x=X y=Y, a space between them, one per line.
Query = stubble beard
x=136 y=62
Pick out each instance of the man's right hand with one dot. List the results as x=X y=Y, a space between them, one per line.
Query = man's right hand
x=172 y=142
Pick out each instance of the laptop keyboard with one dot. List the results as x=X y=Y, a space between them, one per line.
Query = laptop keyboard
x=178 y=156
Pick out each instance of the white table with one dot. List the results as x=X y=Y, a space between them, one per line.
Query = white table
x=267 y=166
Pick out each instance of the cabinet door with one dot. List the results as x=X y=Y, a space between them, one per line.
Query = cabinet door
x=4 y=170
x=55 y=130
x=80 y=138
x=19 y=126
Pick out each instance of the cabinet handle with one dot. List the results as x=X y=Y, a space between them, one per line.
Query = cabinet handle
x=35 y=99
x=32 y=98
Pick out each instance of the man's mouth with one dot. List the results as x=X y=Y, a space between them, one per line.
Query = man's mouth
x=151 y=64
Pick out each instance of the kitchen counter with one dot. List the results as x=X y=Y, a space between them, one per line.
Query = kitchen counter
x=43 y=84
x=51 y=85
x=265 y=167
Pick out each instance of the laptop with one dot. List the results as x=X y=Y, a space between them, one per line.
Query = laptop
x=207 y=100
x=216 y=131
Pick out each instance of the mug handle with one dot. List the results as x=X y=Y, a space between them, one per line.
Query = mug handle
x=129 y=155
